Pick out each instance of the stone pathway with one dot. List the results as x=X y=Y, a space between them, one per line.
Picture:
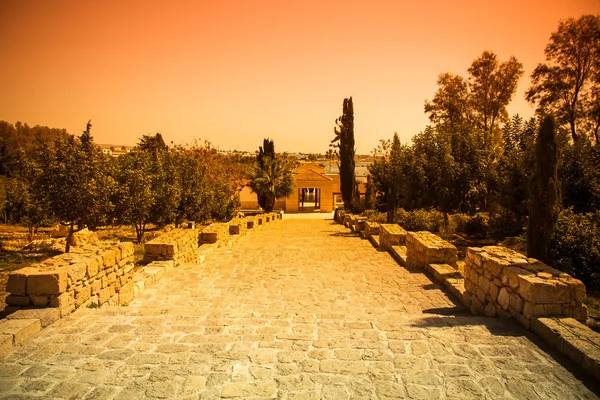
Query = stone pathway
x=300 y=309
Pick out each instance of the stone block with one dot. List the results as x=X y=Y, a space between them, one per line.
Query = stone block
x=126 y=293
x=504 y=298
x=234 y=229
x=76 y=272
x=63 y=300
x=19 y=329
x=50 y=282
x=516 y=302
x=17 y=280
x=82 y=295
x=46 y=316
x=16 y=300
x=103 y=295
x=39 y=300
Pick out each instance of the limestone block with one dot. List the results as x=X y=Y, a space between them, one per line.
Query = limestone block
x=17 y=280
x=516 y=302
x=82 y=295
x=63 y=300
x=16 y=300
x=46 y=316
x=504 y=298
x=39 y=300
x=126 y=293
x=76 y=272
x=48 y=282
x=19 y=329
x=108 y=257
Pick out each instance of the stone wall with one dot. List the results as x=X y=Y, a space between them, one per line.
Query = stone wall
x=423 y=248
x=502 y=282
x=179 y=245
x=96 y=274
x=371 y=229
x=391 y=235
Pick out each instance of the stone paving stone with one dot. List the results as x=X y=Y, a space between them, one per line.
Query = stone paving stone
x=295 y=310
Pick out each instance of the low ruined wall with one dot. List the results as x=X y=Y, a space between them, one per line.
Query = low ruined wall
x=502 y=282
x=179 y=245
x=423 y=248
x=391 y=235
x=94 y=274
x=371 y=229
x=339 y=216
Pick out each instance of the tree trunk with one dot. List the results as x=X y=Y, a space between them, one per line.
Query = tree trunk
x=69 y=237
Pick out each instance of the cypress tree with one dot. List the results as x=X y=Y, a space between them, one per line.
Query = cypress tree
x=543 y=193
x=265 y=153
x=344 y=142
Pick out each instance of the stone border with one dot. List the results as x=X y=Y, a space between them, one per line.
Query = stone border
x=569 y=336
x=22 y=324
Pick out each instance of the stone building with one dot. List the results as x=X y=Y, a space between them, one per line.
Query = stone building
x=315 y=191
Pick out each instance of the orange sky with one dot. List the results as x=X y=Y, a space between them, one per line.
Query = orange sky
x=234 y=72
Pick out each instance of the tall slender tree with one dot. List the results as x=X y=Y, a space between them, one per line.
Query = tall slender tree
x=344 y=145
x=543 y=193
x=266 y=152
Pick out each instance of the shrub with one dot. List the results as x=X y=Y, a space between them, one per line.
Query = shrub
x=420 y=220
x=477 y=225
x=375 y=216
x=575 y=246
x=503 y=223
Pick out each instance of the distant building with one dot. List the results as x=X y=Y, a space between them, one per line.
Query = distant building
x=315 y=191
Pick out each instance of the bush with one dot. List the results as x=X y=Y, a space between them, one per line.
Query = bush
x=503 y=223
x=477 y=226
x=375 y=216
x=420 y=220
x=575 y=246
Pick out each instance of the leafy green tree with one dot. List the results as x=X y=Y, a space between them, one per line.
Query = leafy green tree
x=165 y=182
x=544 y=196
x=451 y=103
x=492 y=86
x=75 y=183
x=344 y=145
x=25 y=203
x=134 y=195
x=271 y=178
x=568 y=84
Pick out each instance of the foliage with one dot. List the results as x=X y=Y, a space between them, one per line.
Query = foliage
x=25 y=203
x=420 y=220
x=134 y=195
x=343 y=142
x=575 y=246
x=266 y=151
x=580 y=176
x=271 y=178
x=75 y=182
x=568 y=84
x=544 y=197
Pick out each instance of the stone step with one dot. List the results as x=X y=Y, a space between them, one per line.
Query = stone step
x=374 y=239
x=16 y=331
x=573 y=339
x=45 y=315
x=451 y=278
x=399 y=253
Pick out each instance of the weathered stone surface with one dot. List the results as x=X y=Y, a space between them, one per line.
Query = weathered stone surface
x=17 y=281
x=424 y=248
x=19 y=329
x=51 y=282
x=46 y=316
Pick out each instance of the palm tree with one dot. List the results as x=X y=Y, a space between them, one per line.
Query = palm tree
x=273 y=180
